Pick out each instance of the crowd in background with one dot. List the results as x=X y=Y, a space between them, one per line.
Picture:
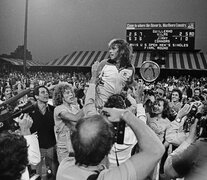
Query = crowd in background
x=18 y=81
x=79 y=119
x=185 y=88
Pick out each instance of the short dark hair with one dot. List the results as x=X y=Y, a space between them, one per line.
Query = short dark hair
x=13 y=155
x=36 y=91
x=92 y=140
x=115 y=100
x=179 y=93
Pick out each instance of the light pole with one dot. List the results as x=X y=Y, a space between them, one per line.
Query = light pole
x=25 y=38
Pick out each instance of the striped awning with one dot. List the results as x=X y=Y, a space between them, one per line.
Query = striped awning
x=176 y=60
x=19 y=62
x=80 y=59
x=180 y=61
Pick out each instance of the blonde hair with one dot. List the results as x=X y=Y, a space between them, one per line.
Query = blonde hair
x=58 y=92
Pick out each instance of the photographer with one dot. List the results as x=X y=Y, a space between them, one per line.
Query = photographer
x=92 y=141
x=175 y=133
x=18 y=150
x=93 y=138
x=189 y=159
x=126 y=140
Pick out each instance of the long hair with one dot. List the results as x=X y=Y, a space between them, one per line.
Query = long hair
x=166 y=108
x=125 y=52
x=58 y=93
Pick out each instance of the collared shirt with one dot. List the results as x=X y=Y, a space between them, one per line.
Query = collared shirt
x=68 y=171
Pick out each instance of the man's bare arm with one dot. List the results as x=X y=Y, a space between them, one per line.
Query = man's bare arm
x=66 y=116
x=151 y=148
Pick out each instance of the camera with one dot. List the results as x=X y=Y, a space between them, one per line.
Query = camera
x=190 y=118
x=119 y=129
x=201 y=128
x=7 y=121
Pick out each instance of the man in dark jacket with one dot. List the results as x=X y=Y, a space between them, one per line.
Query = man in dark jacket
x=43 y=124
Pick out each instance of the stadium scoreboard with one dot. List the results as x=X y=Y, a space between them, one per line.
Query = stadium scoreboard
x=161 y=36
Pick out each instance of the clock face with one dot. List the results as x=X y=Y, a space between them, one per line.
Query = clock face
x=149 y=71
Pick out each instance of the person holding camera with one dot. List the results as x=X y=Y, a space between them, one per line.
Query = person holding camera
x=18 y=150
x=93 y=139
x=189 y=160
x=175 y=133
x=125 y=140
x=96 y=141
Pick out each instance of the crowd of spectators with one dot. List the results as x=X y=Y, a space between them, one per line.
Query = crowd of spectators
x=171 y=92
x=18 y=81
x=137 y=130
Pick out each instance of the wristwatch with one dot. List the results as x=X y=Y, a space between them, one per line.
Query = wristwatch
x=178 y=120
x=122 y=115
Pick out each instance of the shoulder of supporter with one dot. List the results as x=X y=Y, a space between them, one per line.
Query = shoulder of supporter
x=59 y=109
x=125 y=171
x=181 y=160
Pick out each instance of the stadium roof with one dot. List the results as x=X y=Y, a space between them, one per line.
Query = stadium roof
x=19 y=62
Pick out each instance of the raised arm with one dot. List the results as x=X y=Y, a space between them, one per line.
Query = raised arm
x=69 y=117
x=25 y=123
x=89 y=106
x=138 y=94
x=174 y=133
x=180 y=161
x=151 y=148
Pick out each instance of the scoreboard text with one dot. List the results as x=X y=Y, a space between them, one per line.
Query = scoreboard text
x=161 y=36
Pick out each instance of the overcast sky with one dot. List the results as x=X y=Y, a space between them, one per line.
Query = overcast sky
x=58 y=27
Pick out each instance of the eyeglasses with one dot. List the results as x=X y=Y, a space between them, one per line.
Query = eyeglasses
x=159 y=93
